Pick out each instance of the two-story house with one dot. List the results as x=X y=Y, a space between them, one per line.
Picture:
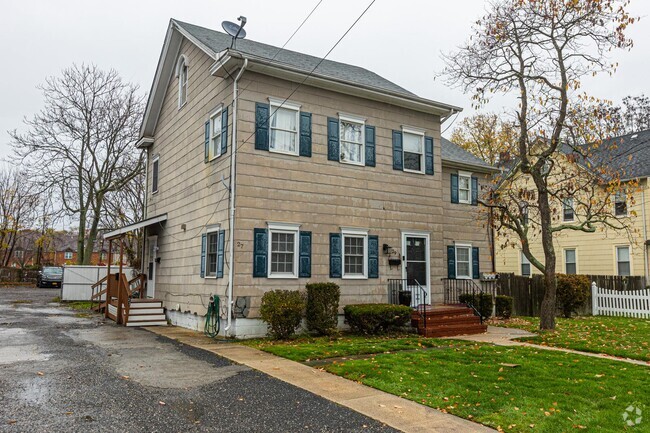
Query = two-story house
x=605 y=251
x=268 y=168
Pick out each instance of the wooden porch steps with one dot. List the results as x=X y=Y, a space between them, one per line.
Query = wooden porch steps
x=146 y=312
x=447 y=321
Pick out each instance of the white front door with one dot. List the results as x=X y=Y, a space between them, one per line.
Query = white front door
x=416 y=268
x=151 y=272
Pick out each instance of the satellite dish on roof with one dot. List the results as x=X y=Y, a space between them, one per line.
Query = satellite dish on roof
x=235 y=30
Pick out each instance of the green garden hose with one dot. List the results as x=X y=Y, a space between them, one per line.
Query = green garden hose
x=212 y=322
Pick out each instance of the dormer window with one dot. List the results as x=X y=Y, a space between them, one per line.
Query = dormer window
x=182 y=74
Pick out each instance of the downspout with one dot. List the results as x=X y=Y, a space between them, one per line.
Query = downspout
x=144 y=213
x=645 y=231
x=233 y=172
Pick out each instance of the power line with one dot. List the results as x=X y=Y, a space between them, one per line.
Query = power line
x=313 y=70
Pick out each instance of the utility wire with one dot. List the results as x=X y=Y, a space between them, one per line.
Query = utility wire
x=313 y=70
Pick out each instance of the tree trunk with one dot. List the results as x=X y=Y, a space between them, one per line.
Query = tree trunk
x=547 y=310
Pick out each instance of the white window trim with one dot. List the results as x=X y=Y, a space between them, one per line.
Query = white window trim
x=153 y=162
x=284 y=228
x=616 y=261
x=208 y=231
x=217 y=151
x=573 y=213
x=523 y=257
x=343 y=117
x=627 y=211
x=414 y=131
x=469 y=246
x=575 y=253
x=468 y=175
x=182 y=61
x=65 y=255
x=357 y=233
x=281 y=103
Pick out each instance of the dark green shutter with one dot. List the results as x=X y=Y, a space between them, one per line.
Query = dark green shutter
x=206 y=149
x=373 y=256
x=224 y=131
x=221 y=240
x=398 y=161
x=476 y=271
x=261 y=126
x=203 y=246
x=454 y=188
x=305 y=134
x=474 y=191
x=370 y=146
x=333 y=148
x=451 y=262
x=428 y=155
x=304 y=268
x=260 y=252
x=335 y=255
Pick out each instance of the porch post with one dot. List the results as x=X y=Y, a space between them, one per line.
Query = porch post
x=108 y=276
x=120 y=300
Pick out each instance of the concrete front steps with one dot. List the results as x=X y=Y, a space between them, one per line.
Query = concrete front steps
x=146 y=312
x=447 y=321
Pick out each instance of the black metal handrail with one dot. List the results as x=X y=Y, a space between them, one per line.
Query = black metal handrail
x=454 y=288
x=411 y=293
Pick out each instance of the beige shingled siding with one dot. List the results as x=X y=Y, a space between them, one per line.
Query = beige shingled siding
x=188 y=189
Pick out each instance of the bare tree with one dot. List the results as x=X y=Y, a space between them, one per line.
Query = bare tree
x=80 y=146
x=540 y=51
x=18 y=203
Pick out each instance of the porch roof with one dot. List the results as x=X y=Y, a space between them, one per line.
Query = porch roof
x=144 y=223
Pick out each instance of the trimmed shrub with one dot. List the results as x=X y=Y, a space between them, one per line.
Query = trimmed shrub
x=282 y=311
x=504 y=305
x=322 y=307
x=376 y=318
x=481 y=301
x=572 y=292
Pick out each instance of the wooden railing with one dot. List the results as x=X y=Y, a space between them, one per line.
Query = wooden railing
x=118 y=291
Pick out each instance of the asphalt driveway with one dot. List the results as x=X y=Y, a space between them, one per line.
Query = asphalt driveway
x=60 y=372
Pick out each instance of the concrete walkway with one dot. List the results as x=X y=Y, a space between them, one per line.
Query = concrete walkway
x=389 y=409
x=504 y=337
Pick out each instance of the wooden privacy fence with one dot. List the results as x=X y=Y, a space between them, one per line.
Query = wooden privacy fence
x=627 y=303
x=618 y=282
x=527 y=293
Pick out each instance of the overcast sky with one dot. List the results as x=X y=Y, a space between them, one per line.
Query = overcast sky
x=400 y=40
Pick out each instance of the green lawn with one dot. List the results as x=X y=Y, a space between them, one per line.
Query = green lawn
x=618 y=336
x=547 y=392
x=304 y=348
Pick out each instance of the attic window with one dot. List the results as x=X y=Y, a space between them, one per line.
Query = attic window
x=182 y=74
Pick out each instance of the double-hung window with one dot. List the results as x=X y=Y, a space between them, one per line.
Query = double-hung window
x=355 y=253
x=284 y=127
x=283 y=250
x=67 y=255
x=570 y=266
x=352 y=136
x=214 y=150
x=463 y=261
x=525 y=265
x=154 y=174
x=623 y=261
x=413 y=150
x=620 y=204
x=211 y=252
x=567 y=209
x=464 y=187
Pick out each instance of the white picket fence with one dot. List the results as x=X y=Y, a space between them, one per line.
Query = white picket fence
x=620 y=303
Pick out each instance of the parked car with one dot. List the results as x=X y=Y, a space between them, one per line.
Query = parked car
x=50 y=276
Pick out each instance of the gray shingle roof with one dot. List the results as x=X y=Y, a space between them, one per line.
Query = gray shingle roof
x=454 y=153
x=630 y=153
x=218 y=42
